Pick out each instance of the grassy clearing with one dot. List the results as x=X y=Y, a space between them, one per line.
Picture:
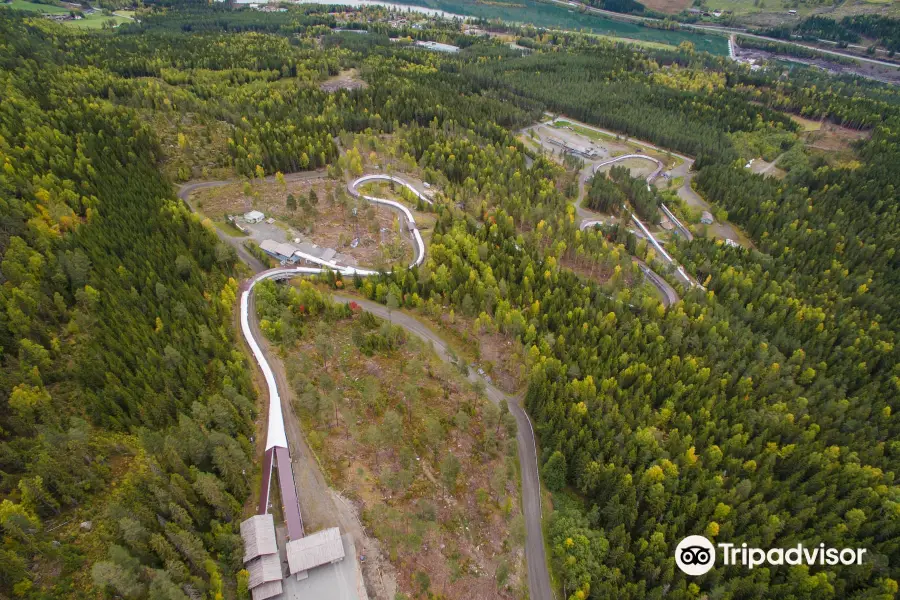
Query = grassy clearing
x=888 y=8
x=581 y=130
x=745 y=7
x=634 y=42
x=667 y=6
x=834 y=139
x=807 y=124
x=96 y=21
x=229 y=228
x=35 y=7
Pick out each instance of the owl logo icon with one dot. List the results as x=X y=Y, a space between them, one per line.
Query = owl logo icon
x=695 y=555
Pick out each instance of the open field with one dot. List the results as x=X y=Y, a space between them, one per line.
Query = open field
x=96 y=21
x=92 y=21
x=346 y=80
x=581 y=130
x=888 y=8
x=667 y=6
x=752 y=7
x=639 y=167
x=775 y=12
x=35 y=7
x=834 y=138
x=807 y=124
x=635 y=42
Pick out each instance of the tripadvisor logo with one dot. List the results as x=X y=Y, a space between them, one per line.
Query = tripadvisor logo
x=695 y=555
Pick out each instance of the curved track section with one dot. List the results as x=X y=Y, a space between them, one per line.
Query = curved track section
x=353 y=186
x=679 y=270
x=650 y=178
x=276 y=440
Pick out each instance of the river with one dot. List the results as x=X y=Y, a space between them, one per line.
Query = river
x=541 y=14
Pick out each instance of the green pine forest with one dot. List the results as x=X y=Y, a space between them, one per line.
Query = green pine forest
x=759 y=409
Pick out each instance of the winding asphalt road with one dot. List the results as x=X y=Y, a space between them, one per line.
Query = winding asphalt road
x=535 y=554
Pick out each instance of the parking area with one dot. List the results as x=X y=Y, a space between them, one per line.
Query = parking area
x=339 y=581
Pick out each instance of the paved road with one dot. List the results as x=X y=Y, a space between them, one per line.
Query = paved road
x=724 y=30
x=873 y=61
x=538 y=574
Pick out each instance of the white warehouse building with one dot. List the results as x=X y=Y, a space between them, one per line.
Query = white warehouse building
x=254 y=216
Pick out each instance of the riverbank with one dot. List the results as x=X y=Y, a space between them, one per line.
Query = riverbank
x=556 y=15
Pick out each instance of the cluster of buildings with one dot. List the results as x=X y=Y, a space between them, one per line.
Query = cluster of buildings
x=398 y=22
x=303 y=252
x=706 y=13
x=437 y=46
x=576 y=149
x=261 y=6
x=292 y=253
x=273 y=570
x=62 y=17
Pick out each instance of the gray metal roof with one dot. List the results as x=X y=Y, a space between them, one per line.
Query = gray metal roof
x=328 y=253
x=264 y=569
x=258 y=533
x=314 y=550
x=280 y=248
x=267 y=590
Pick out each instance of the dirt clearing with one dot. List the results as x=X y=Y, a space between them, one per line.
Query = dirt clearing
x=422 y=457
x=346 y=80
x=670 y=7
x=318 y=211
x=834 y=138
